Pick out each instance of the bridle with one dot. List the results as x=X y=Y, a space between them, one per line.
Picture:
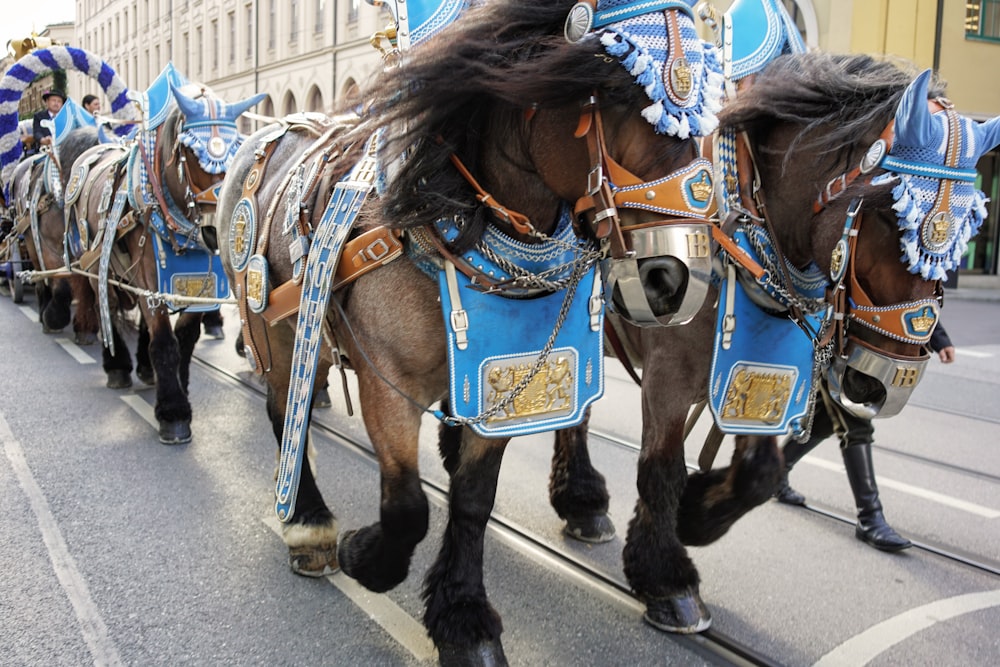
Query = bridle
x=847 y=302
x=684 y=196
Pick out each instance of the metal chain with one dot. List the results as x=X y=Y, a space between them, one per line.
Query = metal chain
x=580 y=269
x=772 y=280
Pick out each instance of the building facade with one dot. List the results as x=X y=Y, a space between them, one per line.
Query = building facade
x=306 y=55
x=310 y=54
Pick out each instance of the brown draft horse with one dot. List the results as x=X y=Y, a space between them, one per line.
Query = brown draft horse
x=503 y=90
x=808 y=118
x=38 y=202
x=183 y=159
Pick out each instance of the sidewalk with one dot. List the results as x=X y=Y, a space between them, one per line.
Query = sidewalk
x=975 y=288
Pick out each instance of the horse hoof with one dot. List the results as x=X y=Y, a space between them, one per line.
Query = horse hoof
x=85 y=338
x=314 y=560
x=594 y=528
x=49 y=330
x=483 y=654
x=119 y=379
x=175 y=433
x=147 y=376
x=683 y=614
x=321 y=398
x=215 y=331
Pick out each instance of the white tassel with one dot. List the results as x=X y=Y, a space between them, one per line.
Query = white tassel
x=653 y=113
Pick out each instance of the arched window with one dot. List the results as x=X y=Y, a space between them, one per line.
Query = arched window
x=290 y=105
x=314 y=100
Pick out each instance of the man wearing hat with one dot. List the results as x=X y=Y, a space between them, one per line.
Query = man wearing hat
x=54 y=100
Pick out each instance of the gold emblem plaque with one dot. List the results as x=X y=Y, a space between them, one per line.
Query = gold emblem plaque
x=550 y=393
x=193 y=284
x=758 y=394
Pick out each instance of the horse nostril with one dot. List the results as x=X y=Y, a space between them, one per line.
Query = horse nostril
x=863 y=389
x=664 y=280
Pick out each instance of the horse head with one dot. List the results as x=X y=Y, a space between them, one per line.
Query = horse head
x=205 y=139
x=600 y=119
x=929 y=162
x=884 y=169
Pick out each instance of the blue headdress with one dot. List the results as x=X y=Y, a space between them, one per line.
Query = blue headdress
x=680 y=73
x=932 y=162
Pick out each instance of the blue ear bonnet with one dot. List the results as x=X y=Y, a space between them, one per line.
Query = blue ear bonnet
x=211 y=135
x=680 y=72
x=938 y=204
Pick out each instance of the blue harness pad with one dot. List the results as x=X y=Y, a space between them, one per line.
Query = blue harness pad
x=193 y=273
x=761 y=382
x=505 y=338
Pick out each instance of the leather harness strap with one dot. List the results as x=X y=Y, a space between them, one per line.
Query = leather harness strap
x=374 y=248
x=250 y=185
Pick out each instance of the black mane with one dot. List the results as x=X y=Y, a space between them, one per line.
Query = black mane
x=475 y=79
x=837 y=100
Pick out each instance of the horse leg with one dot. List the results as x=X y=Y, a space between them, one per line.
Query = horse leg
x=117 y=366
x=311 y=533
x=577 y=491
x=85 y=322
x=656 y=563
x=43 y=295
x=143 y=364
x=713 y=501
x=378 y=556
x=56 y=312
x=172 y=409
x=459 y=618
x=187 y=331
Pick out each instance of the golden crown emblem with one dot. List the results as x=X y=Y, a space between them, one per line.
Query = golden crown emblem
x=701 y=189
x=924 y=322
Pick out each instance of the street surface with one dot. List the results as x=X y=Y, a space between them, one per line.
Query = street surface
x=120 y=550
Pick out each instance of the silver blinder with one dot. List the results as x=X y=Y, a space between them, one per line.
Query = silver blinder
x=690 y=243
x=898 y=378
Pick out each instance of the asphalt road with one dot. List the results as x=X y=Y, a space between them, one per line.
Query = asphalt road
x=119 y=550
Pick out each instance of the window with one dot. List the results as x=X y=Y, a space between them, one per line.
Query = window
x=231 y=19
x=186 y=41
x=272 y=28
x=320 y=9
x=293 y=33
x=352 y=11
x=199 y=40
x=982 y=19
x=215 y=45
x=250 y=39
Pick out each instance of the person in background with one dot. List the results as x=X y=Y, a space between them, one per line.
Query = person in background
x=856 y=435
x=54 y=100
x=91 y=104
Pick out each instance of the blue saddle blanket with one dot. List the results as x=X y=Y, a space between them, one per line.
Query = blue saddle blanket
x=505 y=339
x=761 y=383
x=195 y=273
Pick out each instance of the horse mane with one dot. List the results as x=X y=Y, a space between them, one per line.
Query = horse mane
x=836 y=100
x=70 y=148
x=475 y=79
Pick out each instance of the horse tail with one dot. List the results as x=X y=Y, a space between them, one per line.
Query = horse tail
x=39 y=63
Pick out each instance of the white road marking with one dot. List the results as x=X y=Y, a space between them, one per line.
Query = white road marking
x=74 y=350
x=29 y=312
x=973 y=353
x=407 y=631
x=862 y=648
x=144 y=409
x=92 y=627
x=955 y=503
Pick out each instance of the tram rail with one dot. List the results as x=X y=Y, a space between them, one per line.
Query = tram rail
x=714 y=646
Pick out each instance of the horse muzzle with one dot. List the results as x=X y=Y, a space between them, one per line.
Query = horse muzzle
x=665 y=278
x=868 y=383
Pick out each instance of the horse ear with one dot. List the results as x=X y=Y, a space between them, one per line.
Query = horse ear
x=988 y=135
x=237 y=108
x=914 y=125
x=191 y=108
